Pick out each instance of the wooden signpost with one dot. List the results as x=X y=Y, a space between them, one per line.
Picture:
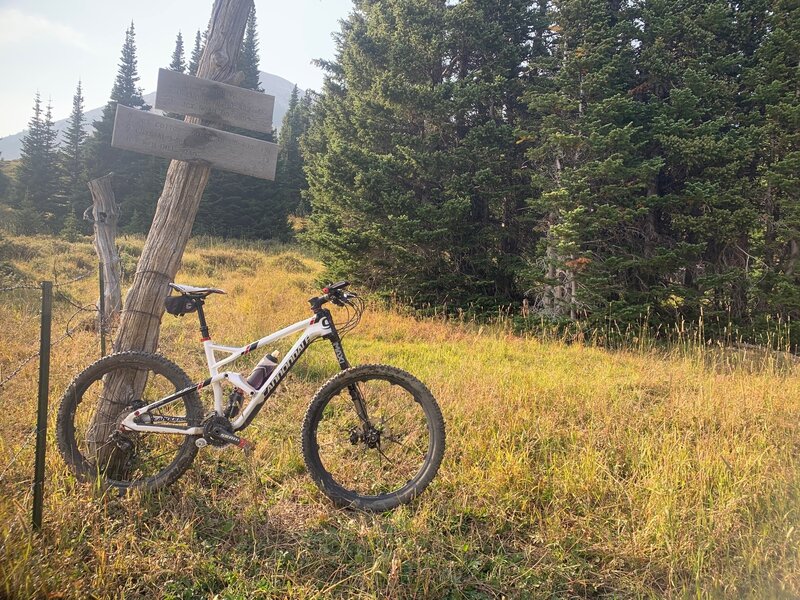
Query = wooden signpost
x=212 y=101
x=140 y=320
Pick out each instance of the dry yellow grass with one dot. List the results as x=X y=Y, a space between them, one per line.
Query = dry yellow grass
x=570 y=471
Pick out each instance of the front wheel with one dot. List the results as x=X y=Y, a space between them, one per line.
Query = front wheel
x=385 y=462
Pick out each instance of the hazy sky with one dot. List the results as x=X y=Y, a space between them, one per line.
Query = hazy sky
x=47 y=45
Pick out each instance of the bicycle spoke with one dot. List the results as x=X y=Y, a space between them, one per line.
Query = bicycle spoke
x=381 y=453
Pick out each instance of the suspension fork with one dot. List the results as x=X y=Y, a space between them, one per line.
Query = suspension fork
x=338 y=350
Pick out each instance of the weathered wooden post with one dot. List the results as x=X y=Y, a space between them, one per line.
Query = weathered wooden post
x=105 y=213
x=198 y=148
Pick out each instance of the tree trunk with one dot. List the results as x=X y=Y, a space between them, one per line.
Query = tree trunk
x=172 y=224
x=105 y=213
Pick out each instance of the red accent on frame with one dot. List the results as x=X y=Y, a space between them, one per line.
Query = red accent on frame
x=206 y=339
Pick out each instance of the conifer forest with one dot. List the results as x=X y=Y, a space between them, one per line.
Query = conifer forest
x=625 y=162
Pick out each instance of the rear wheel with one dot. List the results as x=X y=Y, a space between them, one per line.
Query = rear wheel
x=383 y=463
x=97 y=401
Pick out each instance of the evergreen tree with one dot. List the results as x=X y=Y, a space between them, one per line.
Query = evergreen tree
x=291 y=179
x=5 y=185
x=773 y=81
x=413 y=164
x=640 y=164
x=73 y=159
x=178 y=62
x=588 y=173
x=248 y=57
x=197 y=53
x=236 y=205
x=38 y=172
x=71 y=230
x=137 y=178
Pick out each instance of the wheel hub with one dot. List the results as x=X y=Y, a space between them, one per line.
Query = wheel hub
x=372 y=437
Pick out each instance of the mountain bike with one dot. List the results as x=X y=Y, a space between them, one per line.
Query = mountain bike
x=373 y=435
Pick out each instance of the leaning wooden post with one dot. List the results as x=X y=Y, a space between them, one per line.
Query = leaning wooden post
x=105 y=214
x=140 y=321
x=177 y=206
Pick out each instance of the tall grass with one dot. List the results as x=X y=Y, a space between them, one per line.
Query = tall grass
x=571 y=470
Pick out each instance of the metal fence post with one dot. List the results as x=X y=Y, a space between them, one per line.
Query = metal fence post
x=102 y=313
x=41 y=417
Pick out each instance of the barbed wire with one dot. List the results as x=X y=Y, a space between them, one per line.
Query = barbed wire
x=30 y=436
x=22 y=447
x=19 y=368
x=68 y=333
x=28 y=286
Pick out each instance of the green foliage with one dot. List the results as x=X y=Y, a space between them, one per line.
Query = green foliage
x=248 y=57
x=290 y=178
x=197 y=53
x=608 y=161
x=178 y=63
x=412 y=161
x=5 y=186
x=137 y=178
x=38 y=171
x=72 y=157
x=71 y=231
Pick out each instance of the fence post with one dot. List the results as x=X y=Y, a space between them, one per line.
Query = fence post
x=102 y=312
x=41 y=417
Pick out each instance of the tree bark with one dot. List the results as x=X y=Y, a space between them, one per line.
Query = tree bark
x=105 y=214
x=176 y=210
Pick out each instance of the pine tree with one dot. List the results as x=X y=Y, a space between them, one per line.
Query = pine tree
x=136 y=177
x=773 y=81
x=38 y=172
x=236 y=205
x=587 y=171
x=248 y=57
x=178 y=62
x=704 y=214
x=412 y=159
x=639 y=161
x=71 y=229
x=125 y=91
x=290 y=178
x=5 y=185
x=73 y=159
x=197 y=53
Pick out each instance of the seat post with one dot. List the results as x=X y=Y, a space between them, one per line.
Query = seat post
x=204 y=334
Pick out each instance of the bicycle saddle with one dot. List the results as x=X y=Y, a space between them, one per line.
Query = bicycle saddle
x=190 y=290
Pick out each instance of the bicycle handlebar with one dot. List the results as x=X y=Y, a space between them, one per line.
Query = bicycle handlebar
x=332 y=293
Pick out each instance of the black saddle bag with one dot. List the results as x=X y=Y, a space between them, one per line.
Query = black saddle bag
x=179 y=305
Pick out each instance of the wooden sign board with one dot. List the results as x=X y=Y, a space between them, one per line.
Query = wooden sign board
x=213 y=101
x=148 y=133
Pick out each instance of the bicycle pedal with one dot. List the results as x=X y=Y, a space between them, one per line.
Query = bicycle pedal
x=246 y=446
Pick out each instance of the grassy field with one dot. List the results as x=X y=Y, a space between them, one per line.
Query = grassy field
x=570 y=471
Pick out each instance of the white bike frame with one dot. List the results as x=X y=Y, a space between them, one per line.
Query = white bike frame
x=313 y=329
